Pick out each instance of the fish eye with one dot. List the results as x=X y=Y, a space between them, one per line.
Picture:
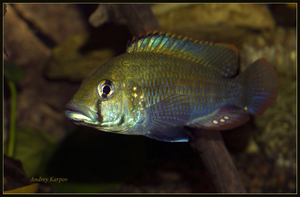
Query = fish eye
x=105 y=89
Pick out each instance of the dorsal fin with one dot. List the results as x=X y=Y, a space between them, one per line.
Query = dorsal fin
x=221 y=57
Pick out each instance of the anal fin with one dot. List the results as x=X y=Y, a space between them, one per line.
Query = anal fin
x=225 y=118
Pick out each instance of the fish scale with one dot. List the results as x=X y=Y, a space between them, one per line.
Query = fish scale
x=164 y=83
x=205 y=85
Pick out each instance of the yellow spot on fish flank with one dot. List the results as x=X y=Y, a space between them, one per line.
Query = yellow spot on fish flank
x=215 y=122
x=226 y=117
x=222 y=120
x=246 y=108
x=135 y=95
x=134 y=88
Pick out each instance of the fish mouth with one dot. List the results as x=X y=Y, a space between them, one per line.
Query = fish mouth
x=79 y=113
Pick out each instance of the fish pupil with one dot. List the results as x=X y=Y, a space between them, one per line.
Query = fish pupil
x=106 y=90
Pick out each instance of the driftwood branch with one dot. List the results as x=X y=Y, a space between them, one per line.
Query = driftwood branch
x=214 y=154
x=139 y=17
x=209 y=144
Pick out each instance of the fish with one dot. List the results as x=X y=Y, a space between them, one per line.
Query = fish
x=165 y=83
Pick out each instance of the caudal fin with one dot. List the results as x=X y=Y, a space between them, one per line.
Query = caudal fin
x=260 y=84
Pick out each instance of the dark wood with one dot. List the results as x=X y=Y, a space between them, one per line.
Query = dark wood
x=214 y=154
x=139 y=17
x=105 y=13
x=5 y=53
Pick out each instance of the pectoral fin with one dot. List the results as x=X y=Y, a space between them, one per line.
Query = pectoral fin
x=166 y=119
x=167 y=133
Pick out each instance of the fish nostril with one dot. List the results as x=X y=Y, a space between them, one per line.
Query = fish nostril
x=71 y=106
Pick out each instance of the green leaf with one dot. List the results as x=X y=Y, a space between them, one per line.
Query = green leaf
x=13 y=72
x=31 y=148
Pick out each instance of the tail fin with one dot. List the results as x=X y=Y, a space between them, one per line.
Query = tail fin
x=260 y=84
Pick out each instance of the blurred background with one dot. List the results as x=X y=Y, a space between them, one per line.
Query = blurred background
x=51 y=48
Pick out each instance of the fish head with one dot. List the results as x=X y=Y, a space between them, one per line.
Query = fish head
x=107 y=101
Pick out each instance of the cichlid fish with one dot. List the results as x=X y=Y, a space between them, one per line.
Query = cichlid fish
x=165 y=82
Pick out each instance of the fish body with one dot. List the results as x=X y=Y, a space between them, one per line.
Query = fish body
x=164 y=83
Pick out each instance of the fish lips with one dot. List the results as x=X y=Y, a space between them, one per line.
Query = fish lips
x=79 y=113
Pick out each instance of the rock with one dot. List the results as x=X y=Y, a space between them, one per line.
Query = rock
x=214 y=22
x=280 y=51
x=67 y=62
x=21 y=53
x=80 y=55
x=252 y=16
x=276 y=128
x=17 y=31
x=28 y=52
x=56 y=21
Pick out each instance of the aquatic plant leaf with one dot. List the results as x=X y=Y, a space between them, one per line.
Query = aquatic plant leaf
x=69 y=62
x=13 y=72
x=31 y=148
